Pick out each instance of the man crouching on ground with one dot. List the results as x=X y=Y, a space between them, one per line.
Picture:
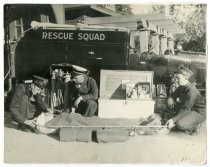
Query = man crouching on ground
x=83 y=92
x=26 y=108
x=188 y=104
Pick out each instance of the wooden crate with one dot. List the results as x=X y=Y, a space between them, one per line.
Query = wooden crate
x=112 y=101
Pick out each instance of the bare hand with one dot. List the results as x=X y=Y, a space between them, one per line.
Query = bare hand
x=72 y=110
x=170 y=124
x=68 y=78
x=170 y=103
x=78 y=100
x=30 y=123
x=32 y=98
x=50 y=110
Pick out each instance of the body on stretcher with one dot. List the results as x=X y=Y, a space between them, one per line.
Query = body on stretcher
x=133 y=130
x=140 y=126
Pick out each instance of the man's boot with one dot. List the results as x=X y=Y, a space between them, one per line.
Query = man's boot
x=196 y=130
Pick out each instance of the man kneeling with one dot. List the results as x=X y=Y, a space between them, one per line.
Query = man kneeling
x=27 y=103
x=187 y=103
x=83 y=92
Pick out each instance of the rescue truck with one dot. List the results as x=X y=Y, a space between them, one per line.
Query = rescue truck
x=91 y=47
x=95 y=48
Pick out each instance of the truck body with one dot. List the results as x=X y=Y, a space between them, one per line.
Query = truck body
x=95 y=48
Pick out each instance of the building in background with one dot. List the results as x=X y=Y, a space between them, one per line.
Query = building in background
x=74 y=11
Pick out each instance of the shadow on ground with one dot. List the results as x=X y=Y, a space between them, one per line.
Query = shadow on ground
x=9 y=122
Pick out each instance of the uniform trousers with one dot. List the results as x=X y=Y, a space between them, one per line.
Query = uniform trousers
x=87 y=108
x=190 y=121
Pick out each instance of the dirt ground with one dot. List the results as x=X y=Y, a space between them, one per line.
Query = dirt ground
x=174 y=148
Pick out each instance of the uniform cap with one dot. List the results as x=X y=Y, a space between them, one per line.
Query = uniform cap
x=185 y=71
x=40 y=82
x=77 y=70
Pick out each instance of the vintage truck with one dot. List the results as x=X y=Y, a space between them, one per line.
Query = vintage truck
x=95 y=48
x=91 y=47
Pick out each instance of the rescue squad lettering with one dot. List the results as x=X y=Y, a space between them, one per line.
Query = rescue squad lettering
x=71 y=36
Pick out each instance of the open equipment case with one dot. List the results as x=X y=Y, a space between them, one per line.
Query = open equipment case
x=114 y=102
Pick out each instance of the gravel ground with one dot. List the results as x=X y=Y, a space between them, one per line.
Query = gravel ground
x=174 y=148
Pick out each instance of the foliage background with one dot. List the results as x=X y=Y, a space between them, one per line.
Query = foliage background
x=190 y=17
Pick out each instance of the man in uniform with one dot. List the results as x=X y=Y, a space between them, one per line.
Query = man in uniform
x=25 y=108
x=188 y=104
x=83 y=92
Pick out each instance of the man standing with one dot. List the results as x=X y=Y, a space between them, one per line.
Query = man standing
x=83 y=92
x=187 y=103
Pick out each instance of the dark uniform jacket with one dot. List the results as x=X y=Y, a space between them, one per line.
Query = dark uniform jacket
x=188 y=98
x=88 y=90
x=22 y=108
x=40 y=105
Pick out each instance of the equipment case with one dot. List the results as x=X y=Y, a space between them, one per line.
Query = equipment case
x=113 y=102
